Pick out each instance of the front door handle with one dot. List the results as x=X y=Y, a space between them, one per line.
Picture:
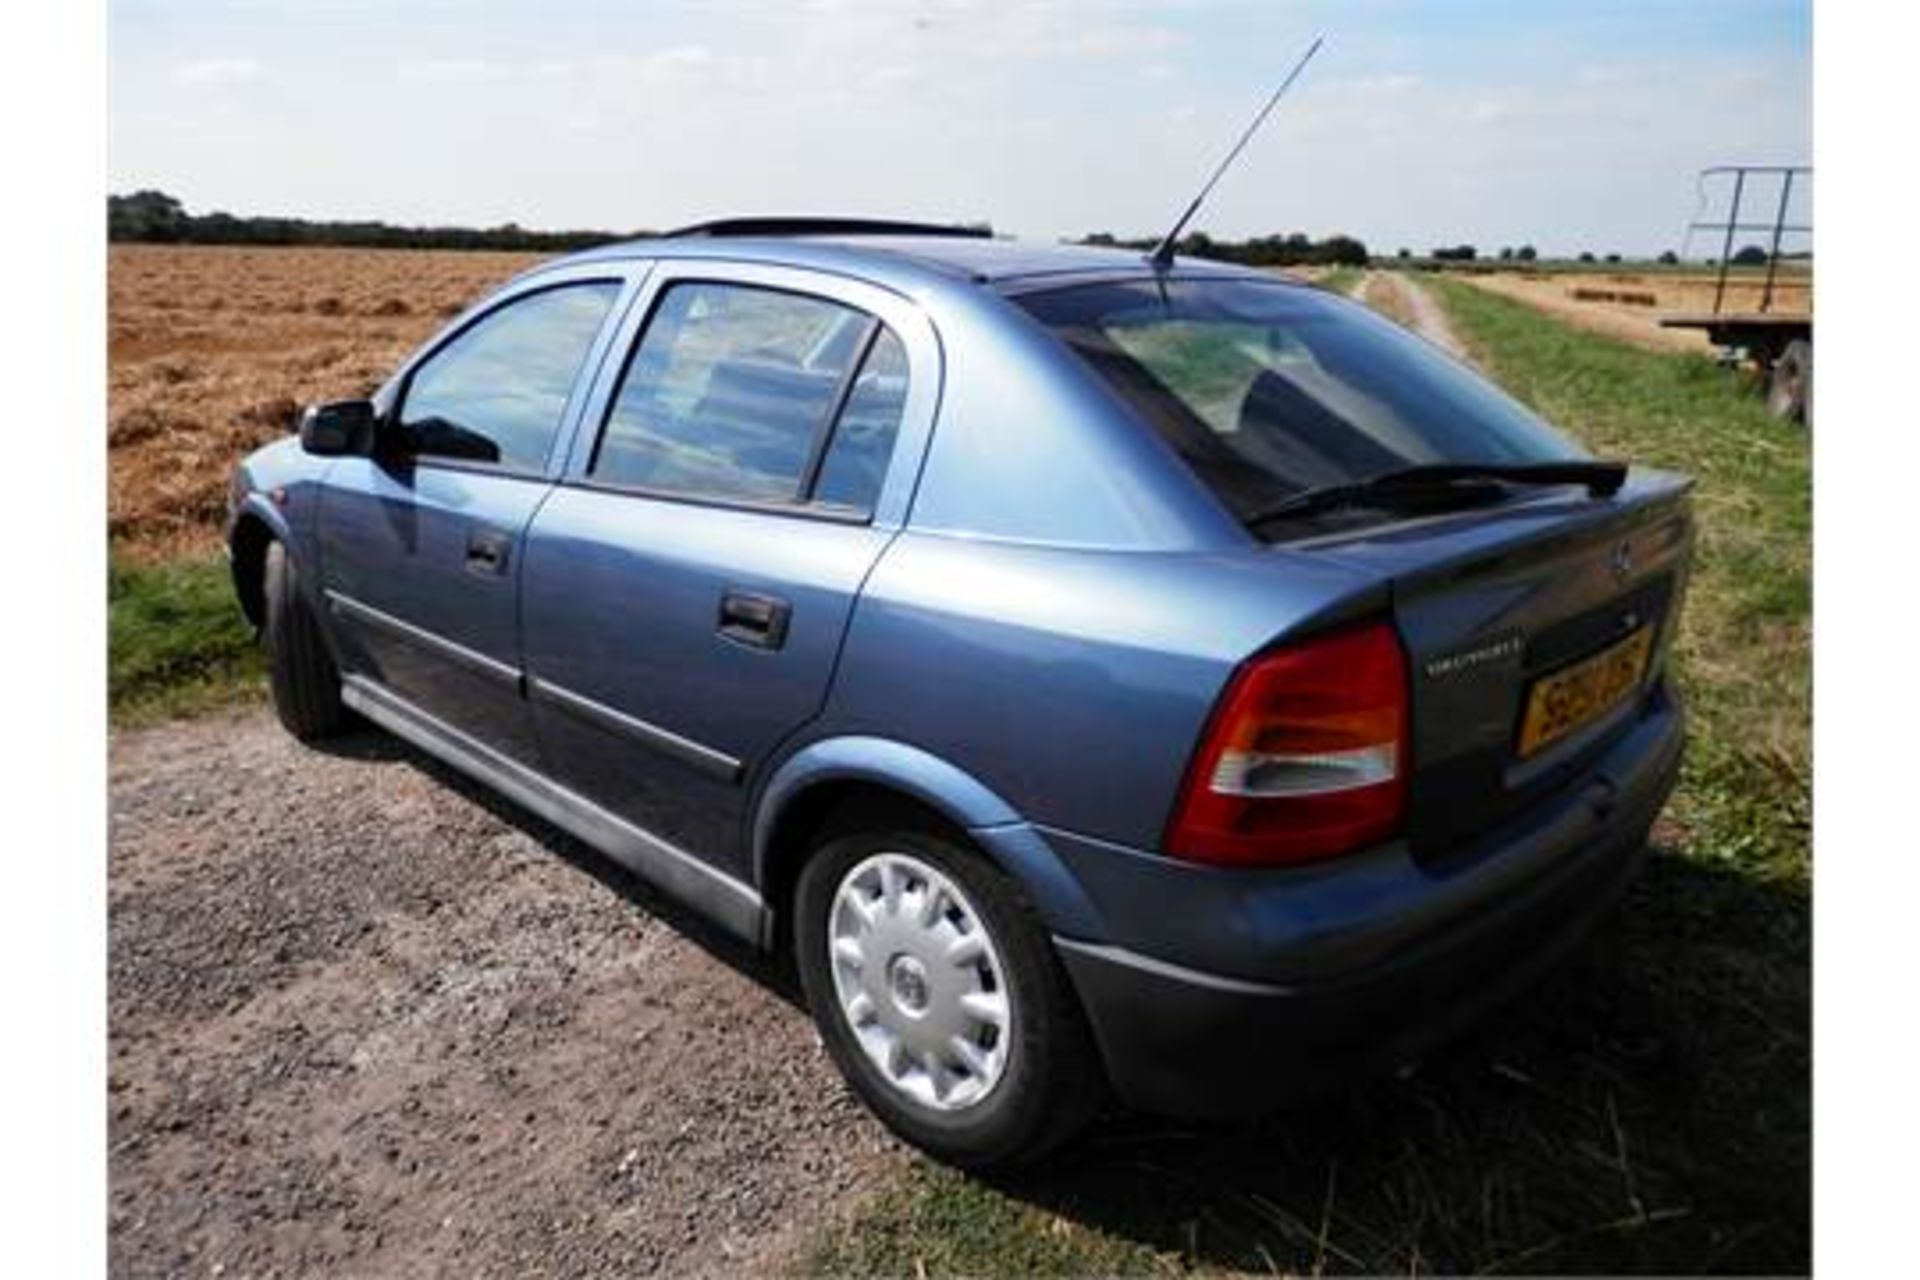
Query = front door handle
x=487 y=551
x=755 y=620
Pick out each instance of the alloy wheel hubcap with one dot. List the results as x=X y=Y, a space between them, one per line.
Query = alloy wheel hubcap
x=919 y=981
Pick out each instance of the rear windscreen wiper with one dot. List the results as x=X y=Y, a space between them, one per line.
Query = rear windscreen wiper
x=1433 y=479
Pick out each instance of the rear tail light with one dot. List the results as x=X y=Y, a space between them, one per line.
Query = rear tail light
x=1305 y=758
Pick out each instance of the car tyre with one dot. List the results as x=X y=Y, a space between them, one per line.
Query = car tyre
x=305 y=682
x=1048 y=1084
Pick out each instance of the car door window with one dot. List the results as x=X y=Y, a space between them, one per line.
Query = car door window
x=496 y=393
x=856 y=459
x=728 y=393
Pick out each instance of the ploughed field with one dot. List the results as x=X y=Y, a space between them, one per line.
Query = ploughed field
x=213 y=350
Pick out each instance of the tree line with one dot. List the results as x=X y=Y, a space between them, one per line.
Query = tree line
x=1292 y=250
x=156 y=217
x=1746 y=256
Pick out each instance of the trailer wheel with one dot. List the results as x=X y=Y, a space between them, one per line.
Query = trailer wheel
x=1790 y=387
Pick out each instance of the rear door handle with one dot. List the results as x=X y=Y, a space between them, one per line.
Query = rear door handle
x=754 y=620
x=487 y=551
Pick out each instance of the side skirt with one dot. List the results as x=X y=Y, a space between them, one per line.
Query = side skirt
x=734 y=906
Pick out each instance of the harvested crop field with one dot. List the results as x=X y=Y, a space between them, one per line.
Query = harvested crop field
x=1629 y=305
x=213 y=350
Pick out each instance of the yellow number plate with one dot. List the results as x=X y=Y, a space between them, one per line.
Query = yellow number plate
x=1578 y=695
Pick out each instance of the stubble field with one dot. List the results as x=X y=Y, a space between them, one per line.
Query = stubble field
x=1629 y=305
x=213 y=351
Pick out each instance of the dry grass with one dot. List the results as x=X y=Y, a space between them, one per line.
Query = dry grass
x=1628 y=305
x=1672 y=292
x=212 y=351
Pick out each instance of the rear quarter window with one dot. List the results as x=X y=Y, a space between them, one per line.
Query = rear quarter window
x=856 y=459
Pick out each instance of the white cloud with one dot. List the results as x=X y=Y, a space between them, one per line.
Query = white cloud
x=1376 y=84
x=452 y=71
x=685 y=60
x=887 y=77
x=1123 y=41
x=218 y=71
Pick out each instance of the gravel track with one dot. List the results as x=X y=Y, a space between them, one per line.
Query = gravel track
x=366 y=1019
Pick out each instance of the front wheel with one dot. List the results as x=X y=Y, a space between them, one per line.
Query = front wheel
x=306 y=684
x=939 y=997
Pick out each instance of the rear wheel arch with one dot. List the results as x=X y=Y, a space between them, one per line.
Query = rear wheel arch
x=818 y=811
x=843 y=784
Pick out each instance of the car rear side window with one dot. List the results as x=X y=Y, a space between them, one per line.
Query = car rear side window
x=732 y=389
x=496 y=393
x=1270 y=389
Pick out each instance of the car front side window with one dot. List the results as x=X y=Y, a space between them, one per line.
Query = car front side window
x=496 y=393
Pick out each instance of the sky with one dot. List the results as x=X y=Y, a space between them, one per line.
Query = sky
x=1567 y=124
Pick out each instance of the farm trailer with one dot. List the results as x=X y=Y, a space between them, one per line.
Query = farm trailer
x=1780 y=345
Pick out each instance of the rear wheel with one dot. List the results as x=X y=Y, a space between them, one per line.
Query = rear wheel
x=1790 y=384
x=939 y=997
x=306 y=684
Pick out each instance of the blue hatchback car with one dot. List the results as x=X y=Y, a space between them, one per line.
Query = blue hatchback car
x=1100 y=676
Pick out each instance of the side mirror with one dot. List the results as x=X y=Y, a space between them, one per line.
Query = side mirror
x=339 y=427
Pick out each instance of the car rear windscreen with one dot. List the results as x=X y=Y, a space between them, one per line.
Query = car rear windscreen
x=1271 y=389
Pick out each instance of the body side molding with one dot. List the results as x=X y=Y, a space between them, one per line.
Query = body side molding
x=472 y=660
x=716 y=764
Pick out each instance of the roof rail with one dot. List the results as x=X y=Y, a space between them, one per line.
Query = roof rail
x=803 y=226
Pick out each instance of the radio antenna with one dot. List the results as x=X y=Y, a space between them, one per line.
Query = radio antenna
x=1162 y=256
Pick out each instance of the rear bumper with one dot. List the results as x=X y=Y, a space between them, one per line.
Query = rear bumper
x=1227 y=994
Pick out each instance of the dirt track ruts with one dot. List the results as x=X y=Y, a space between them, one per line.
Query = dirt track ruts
x=1393 y=294
x=365 y=1019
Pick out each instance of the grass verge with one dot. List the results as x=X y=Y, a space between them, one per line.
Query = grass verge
x=1647 y=1107
x=176 y=643
x=1341 y=279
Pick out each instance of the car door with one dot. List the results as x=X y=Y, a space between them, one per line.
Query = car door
x=421 y=544
x=688 y=583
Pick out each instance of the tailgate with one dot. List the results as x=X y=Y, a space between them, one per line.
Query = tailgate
x=1559 y=602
